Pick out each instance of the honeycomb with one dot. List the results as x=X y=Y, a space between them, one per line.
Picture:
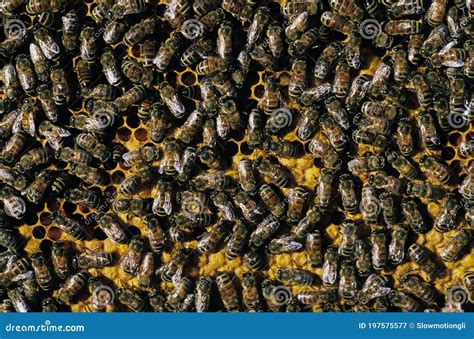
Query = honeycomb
x=39 y=232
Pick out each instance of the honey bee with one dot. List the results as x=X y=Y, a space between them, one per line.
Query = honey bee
x=420 y=258
x=144 y=154
x=265 y=229
x=113 y=31
x=254 y=131
x=334 y=132
x=25 y=120
x=337 y=22
x=43 y=275
x=212 y=64
x=11 y=84
x=363 y=261
x=236 y=241
x=132 y=299
x=96 y=259
x=314 y=94
x=227 y=292
x=158 y=124
x=133 y=96
x=314 y=248
x=166 y=51
x=414 y=217
x=171 y=99
x=139 y=31
x=37 y=189
x=18 y=300
x=274 y=35
x=341 y=82
x=415 y=285
x=13 y=178
x=374 y=287
x=330 y=266
x=147 y=52
x=210 y=240
x=347 y=282
x=338 y=113
x=349 y=238
x=60 y=85
x=466 y=149
x=113 y=227
x=298 y=80
x=71 y=288
x=39 y=63
x=379 y=248
x=19 y=268
x=381 y=180
x=146 y=272
x=15 y=207
x=8 y=7
x=447 y=219
x=370 y=204
x=320 y=297
x=203 y=294
x=7 y=237
x=47 y=102
x=250 y=294
x=358 y=90
x=33 y=158
x=250 y=209
x=403 y=27
x=404 y=137
x=224 y=205
x=89 y=175
x=294 y=276
x=287 y=243
x=138 y=74
x=305 y=225
x=402 y=165
x=308 y=124
x=453 y=248
x=468 y=284
x=403 y=301
x=297 y=198
x=324 y=189
x=90 y=199
x=297 y=27
x=136 y=182
x=425 y=190
x=174 y=267
x=325 y=152
x=60 y=259
x=435 y=170
x=389 y=208
x=326 y=60
x=110 y=69
x=428 y=131
x=271 y=199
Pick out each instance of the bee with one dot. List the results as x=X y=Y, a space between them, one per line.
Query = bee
x=25 y=73
x=236 y=241
x=352 y=59
x=137 y=74
x=224 y=205
x=158 y=124
x=436 y=12
x=305 y=225
x=314 y=248
x=374 y=287
x=7 y=237
x=70 y=25
x=33 y=158
x=113 y=227
x=137 y=207
x=113 y=31
x=136 y=182
x=389 y=208
x=102 y=295
x=334 y=132
x=297 y=27
x=415 y=285
x=320 y=297
x=379 y=248
x=39 y=63
x=203 y=293
x=155 y=234
x=340 y=85
x=228 y=117
x=147 y=52
x=25 y=120
x=251 y=211
x=337 y=22
x=209 y=157
x=18 y=300
x=279 y=120
x=132 y=299
x=71 y=288
x=400 y=64
x=325 y=152
x=298 y=80
x=88 y=198
x=241 y=69
x=11 y=84
x=314 y=94
x=250 y=294
x=330 y=266
x=110 y=69
x=308 y=124
x=43 y=274
x=210 y=240
x=166 y=51
x=428 y=131
x=404 y=137
x=435 y=170
x=69 y=225
x=414 y=217
x=453 y=248
x=363 y=261
x=15 y=207
x=146 y=272
x=403 y=27
x=294 y=276
x=347 y=282
x=47 y=44
x=144 y=154
x=357 y=92
x=264 y=230
x=370 y=204
x=402 y=165
x=466 y=149
x=13 y=177
x=197 y=51
x=139 y=31
x=8 y=7
x=174 y=267
x=212 y=64
x=446 y=220
x=274 y=35
x=171 y=99
x=468 y=281
x=37 y=189
x=272 y=201
x=297 y=198
x=338 y=113
x=133 y=96
x=287 y=243
x=420 y=258
x=18 y=270
x=227 y=292
x=60 y=85
x=89 y=175
x=60 y=258
x=211 y=181
x=403 y=301
x=326 y=60
x=381 y=180
x=254 y=130
x=349 y=238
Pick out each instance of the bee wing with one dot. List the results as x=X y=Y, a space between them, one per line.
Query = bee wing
x=329 y=273
x=17 y=124
x=6 y=175
x=448 y=46
x=223 y=126
x=227 y=211
x=177 y=276
x=14 y=207
x=54 y=143
x=292 y=246
x=175 y=106
x=62 y=132
x=453 y=63
x=178 y=165
x=22 y=276
x=49 y=47
x=28 y=123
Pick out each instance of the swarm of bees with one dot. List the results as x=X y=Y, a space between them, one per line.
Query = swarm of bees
x=236 y=155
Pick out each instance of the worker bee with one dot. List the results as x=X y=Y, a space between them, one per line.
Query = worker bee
x=308 y=124
x=33 y=158
x=158 y=124
x=155 y=233
x=144 y=154
x=165 y=53
x=146 y=272
x=37 y=189
x=171 y=99
x=60 y=259
x=212 y=64
x=224 y=205
x=236 y=241
x=39 y=63
x=429 y=134
x=102 y=294
x=389 y=208
x=305 y=225
x=137 y=207
x=414 y=217
x=404 y=137
x=217 y=181
x=314 y=248
x=264 y=230
x=47 y=44
x=379 y=248
x=272 y=201
x=147 y=52
x=7 y=237
x=60 y=85
x=363 y=261
x=370 y=204
x=334 y=132
x=11 y=84
x=349 y=238
x=173 y=269
x=250 y=294
x=341 y=82
x=330 y=266
x=347 y=281
x=326 y=60
x=466 y=149
x=137 y=181
x=26 y=119
x=227 y=292
x=43 y=275
x=210 y=240
x=298 y=80
x=71 y=288
x=325 y=152
x=297 y=198
x=203 y=294
x=435 y=170
x=415 y=285
x=249 y=207
x=358 y=90
x=447 y=219
x=315 y=94
x=298 y=26
x=403 y=301
x=338 y=113
x=88 y=198
x=420 y=258
x=425 y=190
x=337 y=22
x=89 y=175
x=191 y=126
x=294 y=276
x=403 y=27
x=139 y=31
x=422 y=90
x=134 y=95
x=110 y=69
x=13 y=177
x=96 y=259
x=320 y=297
x=18 y=300
x=14 y=207
x=287 y=243
x=402 y=165
x=254 y=131
x=137 y=74
x=453 y=248
x=69 y=225
x=113 y=31
x=132 y=299
x=374 y=287
x=113 y=227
